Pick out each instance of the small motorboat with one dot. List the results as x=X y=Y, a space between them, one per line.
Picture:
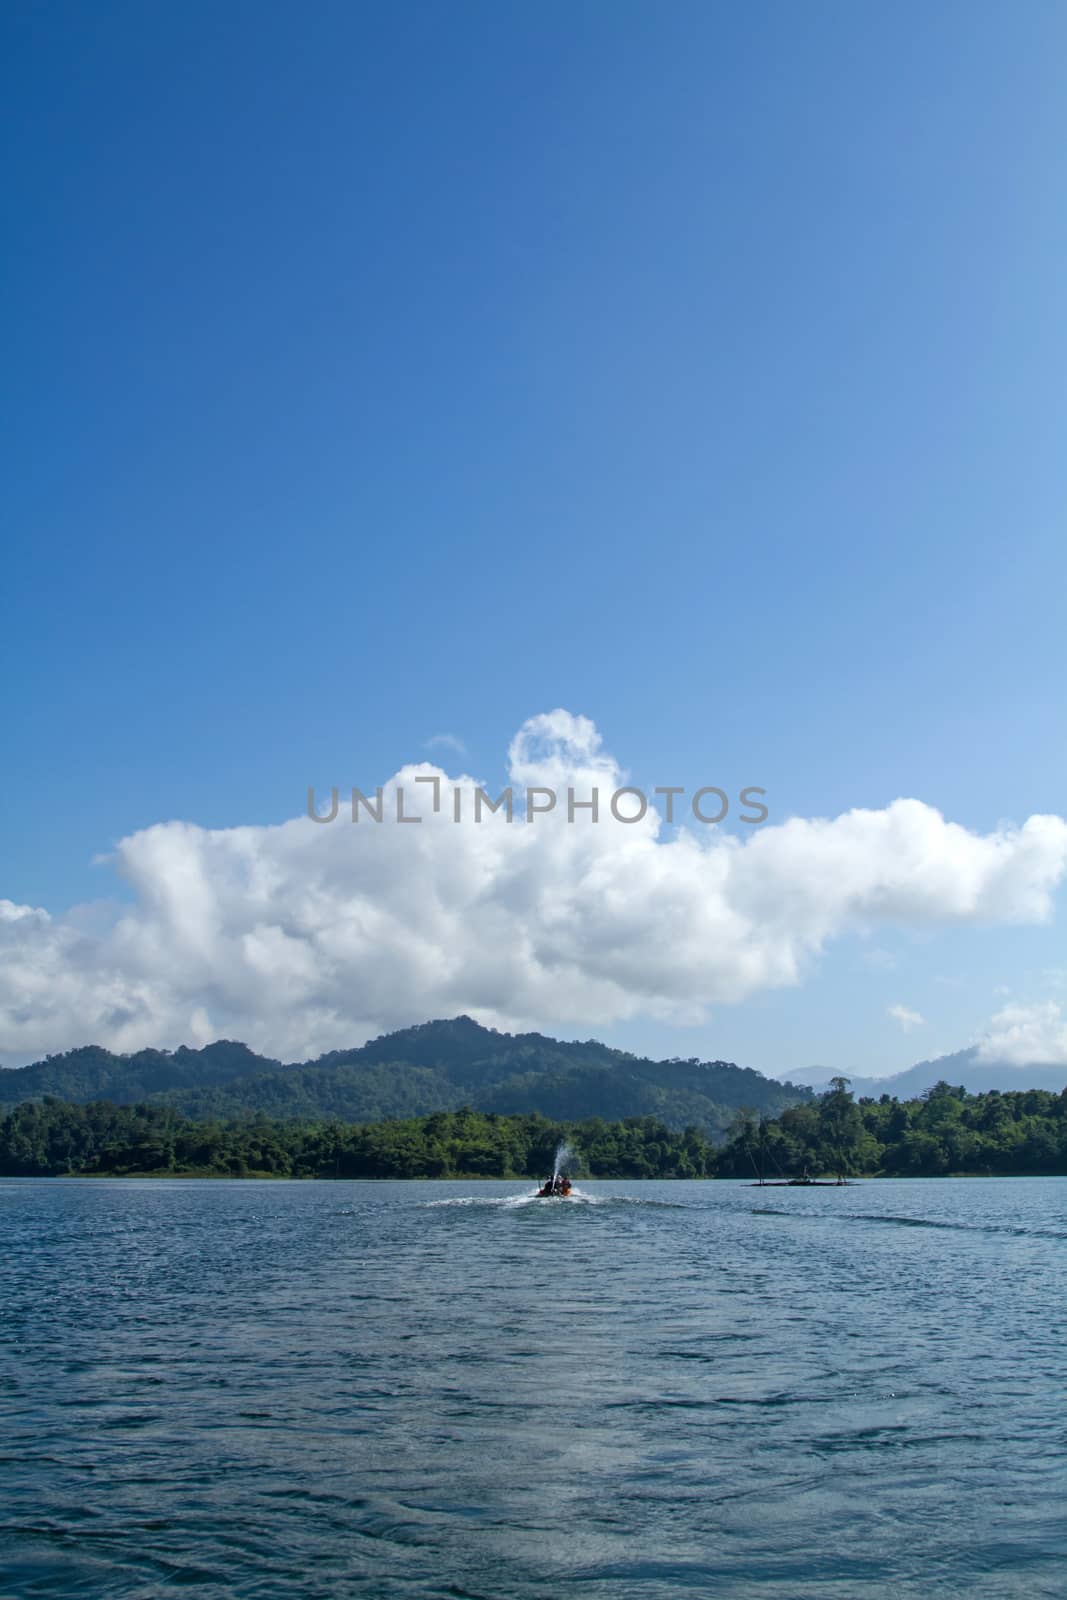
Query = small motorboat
x=557 y=1188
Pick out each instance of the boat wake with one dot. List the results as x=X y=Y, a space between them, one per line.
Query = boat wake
x=512 y=1202
x=890 y=1219
x=555 y=1204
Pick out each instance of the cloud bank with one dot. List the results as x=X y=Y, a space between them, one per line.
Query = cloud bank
x=302 y=937
x=1026 y=1036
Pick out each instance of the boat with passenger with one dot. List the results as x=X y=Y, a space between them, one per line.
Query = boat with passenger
x=558 y=1187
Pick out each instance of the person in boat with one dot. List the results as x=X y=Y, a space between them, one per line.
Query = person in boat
x=558 y=1184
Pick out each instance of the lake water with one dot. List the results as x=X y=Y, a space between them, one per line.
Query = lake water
x=301 y=1390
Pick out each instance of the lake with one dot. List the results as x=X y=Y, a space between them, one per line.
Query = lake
x=447 y=1390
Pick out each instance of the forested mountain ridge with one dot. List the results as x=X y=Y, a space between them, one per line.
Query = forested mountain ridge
x=436 y=1066
x=93 y=1073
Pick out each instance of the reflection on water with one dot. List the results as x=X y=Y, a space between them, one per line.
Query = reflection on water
x=647 y=1390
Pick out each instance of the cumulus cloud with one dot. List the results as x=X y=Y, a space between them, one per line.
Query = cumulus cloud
x=907 y=1019
x=1026 y=1036
x=302 y=936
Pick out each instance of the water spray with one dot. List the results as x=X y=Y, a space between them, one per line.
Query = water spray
x=564 y=1159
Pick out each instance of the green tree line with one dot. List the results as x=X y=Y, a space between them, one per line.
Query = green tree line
x=946 y=1131
x=55 y=1138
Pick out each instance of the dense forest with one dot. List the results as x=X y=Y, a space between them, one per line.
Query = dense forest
x=947 y=1131
x=438 y=1066
x=57 y=1138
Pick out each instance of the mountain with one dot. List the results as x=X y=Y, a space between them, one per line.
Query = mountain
x=813 y=1077
x=963 y=1068
x=436 y=1066
x=92 y=1073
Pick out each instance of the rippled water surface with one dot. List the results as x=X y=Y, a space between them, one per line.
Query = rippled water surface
x=398 y=1389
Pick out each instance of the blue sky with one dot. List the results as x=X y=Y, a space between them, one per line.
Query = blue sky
x=383 y=372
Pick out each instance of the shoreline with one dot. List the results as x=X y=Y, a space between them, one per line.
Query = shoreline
x=853 y=1182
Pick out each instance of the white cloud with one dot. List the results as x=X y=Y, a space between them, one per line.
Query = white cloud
x=1027 y=1036
x=907 y=1019
x=447 y=741
x=302 y=937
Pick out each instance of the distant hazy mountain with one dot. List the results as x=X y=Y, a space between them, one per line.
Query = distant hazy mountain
x=814 y=1077
x=962 y=1067
x=437 y=1066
